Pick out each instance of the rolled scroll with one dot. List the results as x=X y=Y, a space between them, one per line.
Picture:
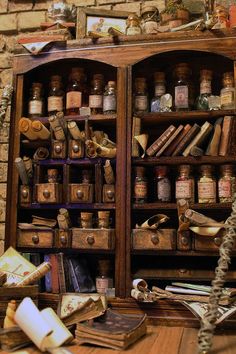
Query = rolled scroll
x=93 y=150
x=22 y=171
x=37 y=274
x=59 y=133
x=65 y=213
x=41 y=153
x=42 y=132
x=62 y=222
x=108 y=143
x=108 y=173
x=28 y=166
x=74 y=131
x=25 y=128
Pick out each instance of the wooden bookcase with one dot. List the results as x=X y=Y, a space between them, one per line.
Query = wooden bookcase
x=123 y=61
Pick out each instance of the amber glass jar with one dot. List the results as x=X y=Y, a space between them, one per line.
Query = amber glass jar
x=55 y=95
x=183 y=89
x=140 y=95
x=74 y=91
x=206 y=185
x=140 y=185
x=226 y=184
x=96 y=94
x=227 y=93
x=185 y=184
x=36 y=104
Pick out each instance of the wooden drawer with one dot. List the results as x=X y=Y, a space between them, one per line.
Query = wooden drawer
x=209 y=243
x=103 y=239
x=162 y=239
x=35 y=238
x=48 y=193
x=81 y=193
x=63 y=238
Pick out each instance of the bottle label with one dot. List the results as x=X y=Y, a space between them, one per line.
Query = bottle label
x=103 y=283
x=181 y=96
x=163 y=190
x=225 y=190
x=150 y=27
x=206 y=190
x=160 y=90
x=140 y=189
x=141 y=103
x=35 y=107
x=183 y=189
x=109 y=103
x=205 y=86
x=226 y=98
x=95 y=101
x=133 y=30
x=55 y=103
x=73 y=99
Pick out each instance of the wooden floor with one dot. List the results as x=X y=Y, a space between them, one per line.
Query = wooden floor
x=161 y=340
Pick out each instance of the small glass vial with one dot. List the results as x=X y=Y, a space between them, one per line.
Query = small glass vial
x=206 y=185
x=163 y=185
x=109 y=98
x=140 y=185
x=202 y=103
x=133 y=25
x=160 y=89
x=182 y=87
x=140 y=95
x=227 y=93
x=226 y=184
x=96 y=94
x=104 y=281
x=35 y=105
x=185 y=184
x=74 y=91
x=55 y=95
x=149 y=16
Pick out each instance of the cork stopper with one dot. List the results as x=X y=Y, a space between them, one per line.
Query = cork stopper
x=159 y=76
x=140 y=171
x=182 y=69
x=206 y=74
x=111 y=84
x=161 y=171
x=77 y=73
x=227 y=168
x=104 y=267
x=206 y=169
x=228 y=79
x=98 y=77
x=184 y=169
x=140 y=83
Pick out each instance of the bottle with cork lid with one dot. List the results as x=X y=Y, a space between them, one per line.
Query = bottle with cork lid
x=184 y=184
x=149 y=16
x=140 y=185
x=55 y=95
x=202 y=102
x=74 y=91
x=109 y=98
x=140 y=95
x=36 y=103
x=206 y=185
x=226 y=183
x=227 y=93
x=160 y=89
x=183 y=95
x=133 y=25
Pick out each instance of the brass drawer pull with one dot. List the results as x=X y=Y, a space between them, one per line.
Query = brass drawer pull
x=76 y=148
x=110 y=194
x=57 y=149
x=24 y=193
x=63 y=240
x=46 y=193
x=184 y=241
x=90 y=240
x=217 y=241
x=35 y=239
x=155 y=239
x=80 y=194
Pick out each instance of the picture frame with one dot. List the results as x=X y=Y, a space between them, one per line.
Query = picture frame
x=98 y=21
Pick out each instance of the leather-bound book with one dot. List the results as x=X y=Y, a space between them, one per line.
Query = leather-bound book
x=54 y=274
x=199 y=138
x=213 y=146
x=160 y=141
x=169 y=141
x=186 y=140
x=225 y=135
x=171 y=148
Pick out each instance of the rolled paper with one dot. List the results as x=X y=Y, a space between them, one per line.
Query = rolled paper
x=114 y=32
x=62 y=222
x=86 y=220
x=37 y=274
x=25 y=128
x=54 y=122
x=90 y=149
x=139 y=284
x=103 y=219
x=39 y=128
x=94 y=149
x=108 y=173
x=41 y=153
x=22 y=170
x=98 y=136
x=106 y=152
x=28 y=166
x=198 y=219
x=95 y=35
x=153 y=222
x=60 y=117
x=10 y=313
x=138 y=295
x=108 y=143
x=59 y=134
x=142 y=139
x=65 y=213
x=74 y=131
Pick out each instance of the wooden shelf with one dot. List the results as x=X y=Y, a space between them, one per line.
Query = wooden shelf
x=178 y=160
x=80 y=206
x=103 y=118
x=82 y=161
x=177 y=253
x=173 y=206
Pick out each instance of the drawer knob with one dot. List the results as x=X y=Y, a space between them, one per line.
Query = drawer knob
x=184 y=241
x=110 y=194
x=155 y=239
x=24 y=193
x=63 y=240
x=217 y=241
x=35 y=239
x=57 y=149
x=76 y=148
x=183 y=271
x=80 y=194
x=46 y=193
x=90 y=240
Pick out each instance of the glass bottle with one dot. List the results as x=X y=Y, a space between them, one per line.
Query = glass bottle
x=202 y=103
x=150 y=19
x=133 y=25
x=109 y=98
x=35 y=104
x=96 y=94
x=163 y=185
x=226 y=184
x=55 y=95
x=74 y=91
x=160 y=89
x=206 y=185
x=183 y=95
x=140 y=95
x=227 y=93
x=184 y=184
x=140 y=185
x=104 y=280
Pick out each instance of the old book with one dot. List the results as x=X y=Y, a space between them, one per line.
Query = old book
x=112 y=330
x=199 y=138
x=13 y=338
x=80 y=275
x=54 y=273
x=171 y=148
x=225 y=135
x=186 y=139
x=213 y=146
x=61 y=272
x=169 y=141
x=48 y=276
x=39 y=221
x=136 y=130
x=160 y=141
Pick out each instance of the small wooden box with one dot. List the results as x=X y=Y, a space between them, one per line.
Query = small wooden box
x=108 y=193
x=76 y=149
x=48 y=193
x=103 y=239
x=209 y=243
x=25 y=195
x=162 y=239
x=81 y=193
x=35 y=238
x=63 y=238
x=58 y=149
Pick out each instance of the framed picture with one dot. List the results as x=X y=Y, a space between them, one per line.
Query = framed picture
x=99 y=21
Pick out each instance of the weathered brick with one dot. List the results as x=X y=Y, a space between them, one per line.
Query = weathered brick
x=6 y=60
x=8 y=23
x=103 y=7
x=82 y=2
x=8 y=114
x=2 y=244
x=3 y=172
x=42 y=4
x=2 y=42
x=19 y=5
x=3 y=6
x=30 y=20
x=129 y=7
x=2 y=211
x=6 y=77
x=4 y=132
x=3 y=152
x=108 y=2
x=10 y=43
x=160 y=4
x=2 y=231
x=3 y=191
